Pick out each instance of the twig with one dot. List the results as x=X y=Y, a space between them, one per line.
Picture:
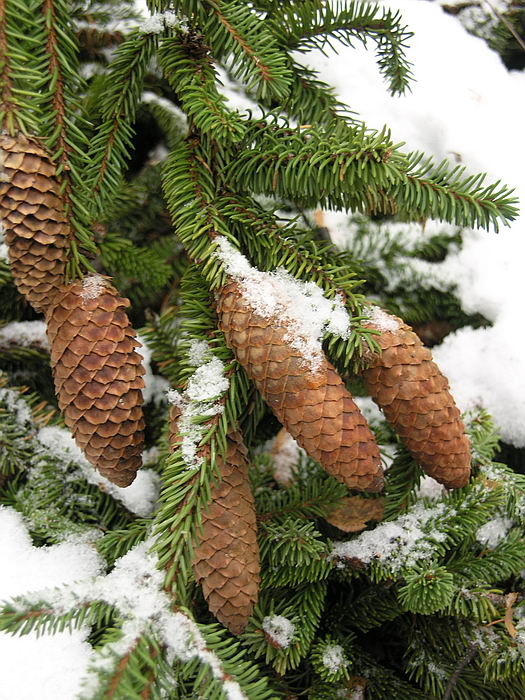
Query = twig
x=454 y=678
x=508 y=24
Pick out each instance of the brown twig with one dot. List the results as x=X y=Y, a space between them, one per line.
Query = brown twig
x=471 y=652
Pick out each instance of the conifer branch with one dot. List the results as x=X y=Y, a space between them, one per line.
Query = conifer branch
x=7 y=105
x=189 y=70
x=312 y=25
x=234 y=29
x=111 y=144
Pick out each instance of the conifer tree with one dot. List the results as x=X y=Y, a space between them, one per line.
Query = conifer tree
x=267 y=567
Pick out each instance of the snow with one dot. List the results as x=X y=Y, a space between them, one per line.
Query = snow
x=135 y=588
x=465 y=106
x=280 y=630
x=492 y=533
x=299 y=307
x=334 y=658
x=152 y=98
x=140 y=497
x=155 y=386
x=397 y=543
x=45 y=667
x=381 y=320
x=285 y=453
x=25 y=334
x=4 y=252
x=198 y=352
x=92 y=287
x=16 y=405
x=200 y=398
x=430 y=488
x=369 y=409
x=159 y=21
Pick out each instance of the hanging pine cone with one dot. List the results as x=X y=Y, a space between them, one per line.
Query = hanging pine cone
x=32 y=213
x=413 y=394
x=314 y=407
x=226 y=557
x=97 y=376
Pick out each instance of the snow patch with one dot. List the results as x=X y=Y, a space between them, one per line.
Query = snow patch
x=92 y=287
x=155 y=386
x=430 y=488
x=49 y=666
x=163 y=20
x=300 y=308
x=493 y=532
x=381 y=320
x=200 y=398
x=397 y=543
x=135 y=588
x=280 y=630
x=334 y=658
x=140 y=497
x=25 y=334
x=16 y=405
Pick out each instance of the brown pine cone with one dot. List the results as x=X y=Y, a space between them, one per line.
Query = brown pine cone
x=226 y=557
x=315 y=408
x=98 y=376
x=413 y=394
x=32 y=213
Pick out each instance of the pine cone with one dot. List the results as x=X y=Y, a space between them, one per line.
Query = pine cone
x=413 y=394
x=315 y=408
x=32 y=212
x=97 y=376
x=226 y=558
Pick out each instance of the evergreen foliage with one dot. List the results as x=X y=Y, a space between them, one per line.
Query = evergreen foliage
x=418 y=605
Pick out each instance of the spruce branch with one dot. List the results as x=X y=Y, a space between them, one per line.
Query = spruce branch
x=190 y=193
x=363 y=170
x=111 y=143
x=64 y=126
x=310 y=25
x=233 y=29
x=189 y=69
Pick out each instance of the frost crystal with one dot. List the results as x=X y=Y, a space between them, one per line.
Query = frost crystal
x=300 y=307
x=334 y=658
x=200 y=398
x=279 y=629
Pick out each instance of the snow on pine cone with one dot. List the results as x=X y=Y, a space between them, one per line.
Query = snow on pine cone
x=98 y=375
x=413 y=394
x=226 y=556
x=32 y=214
x=314 y=406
